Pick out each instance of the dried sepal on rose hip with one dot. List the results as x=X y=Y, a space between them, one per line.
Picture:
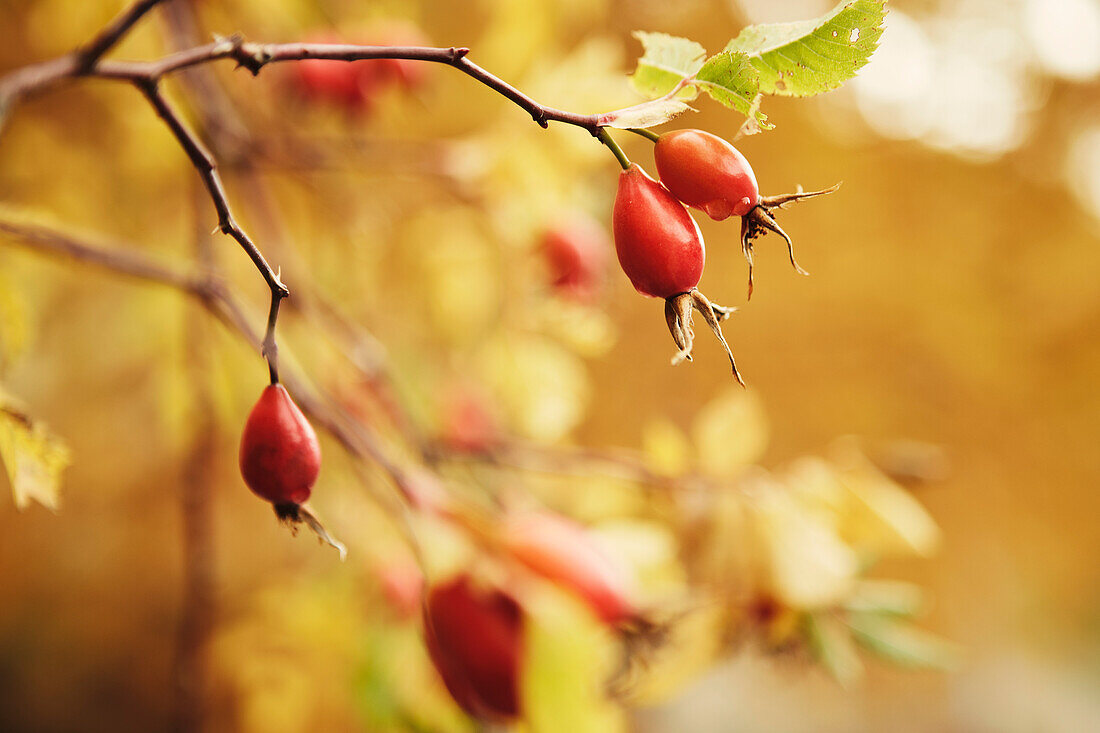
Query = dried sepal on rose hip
x=708 y=173
x=661 y=250
x=280 y=459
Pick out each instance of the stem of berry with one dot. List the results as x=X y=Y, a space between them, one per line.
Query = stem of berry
x=270 y=348
x=647 y=134
x=602 y=135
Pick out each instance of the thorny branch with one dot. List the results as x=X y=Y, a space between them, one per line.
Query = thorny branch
x=207 y=287
x=357 y=439
x=112 y=34
x=147 y=75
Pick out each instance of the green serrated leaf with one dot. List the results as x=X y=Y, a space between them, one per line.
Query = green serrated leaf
x=665 y=62
x=902 y=643
x=832 y=645
x=730 y=78
x=646 y=114
x=33 y=457
x=813 y=56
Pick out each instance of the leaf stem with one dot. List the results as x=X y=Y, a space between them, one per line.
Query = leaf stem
x=604 y=137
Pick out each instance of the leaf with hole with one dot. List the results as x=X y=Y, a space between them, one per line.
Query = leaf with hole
x=813 y=56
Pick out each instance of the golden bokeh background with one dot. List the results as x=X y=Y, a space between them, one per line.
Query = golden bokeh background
x=954 y=300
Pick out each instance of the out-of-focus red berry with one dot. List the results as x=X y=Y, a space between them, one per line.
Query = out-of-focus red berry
x=576 y=252
x=474 y=636
x=563 y=552
x=466 y=423
x=354 y=85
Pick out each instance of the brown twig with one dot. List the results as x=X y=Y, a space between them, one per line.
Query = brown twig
x=146 y=76
x=207 y=168
x=211 y=292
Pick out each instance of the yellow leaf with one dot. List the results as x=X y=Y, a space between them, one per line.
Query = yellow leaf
x=805 y=562
x=459 y=271
x=692 y=643
x=568 y=659
x=33 y=457
x=649 y=551
x=884 y=519
x=542 y=387
x=587 y=331
x=731 y=432
x=666 y=448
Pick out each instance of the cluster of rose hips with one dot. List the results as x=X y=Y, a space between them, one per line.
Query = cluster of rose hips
x=474 y=628
x=659 y=244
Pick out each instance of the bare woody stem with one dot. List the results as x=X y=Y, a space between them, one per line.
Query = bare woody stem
x=146 y=76
x=355 y=437
x=204 y=163
x=270 y=348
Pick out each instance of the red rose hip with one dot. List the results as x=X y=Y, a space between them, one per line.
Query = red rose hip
x=706 y=172
x=474 y=638
x=576 y=252
x=659 y=245
x=661 y=250
x=280 y=457
x=563 y=552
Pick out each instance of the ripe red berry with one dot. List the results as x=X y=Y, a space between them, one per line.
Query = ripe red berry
x=661 y=250
x=474 y=638
x=706 y=172
x=576 y=252
x=659 y=245
x=563 y=552
x=280 y=457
